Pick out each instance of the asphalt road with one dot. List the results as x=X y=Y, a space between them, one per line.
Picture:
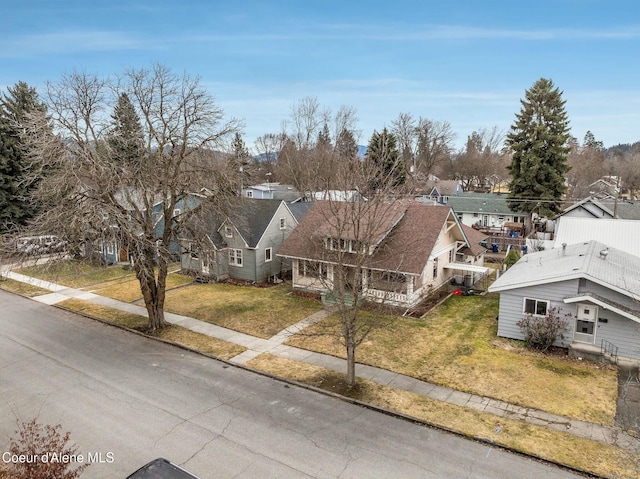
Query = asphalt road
x=133 y=399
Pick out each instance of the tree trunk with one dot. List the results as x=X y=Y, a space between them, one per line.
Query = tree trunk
x=351 y=363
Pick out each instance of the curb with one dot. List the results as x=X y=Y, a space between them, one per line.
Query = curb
x=357 y=402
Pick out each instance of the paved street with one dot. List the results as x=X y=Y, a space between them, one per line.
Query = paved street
x=138 y=399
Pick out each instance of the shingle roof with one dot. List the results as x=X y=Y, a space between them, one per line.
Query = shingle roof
x=405 y=232
x=299 y=209
x=617 y=270
x=488 y=203
x=252 y=216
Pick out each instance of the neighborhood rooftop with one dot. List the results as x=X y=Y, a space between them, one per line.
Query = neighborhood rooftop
x=592 y=260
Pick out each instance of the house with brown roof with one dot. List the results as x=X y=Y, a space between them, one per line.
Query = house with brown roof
x=396 y=253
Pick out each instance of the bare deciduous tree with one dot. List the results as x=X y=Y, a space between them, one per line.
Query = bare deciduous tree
x=424 y=144
x=145 y=202
x=342 y=241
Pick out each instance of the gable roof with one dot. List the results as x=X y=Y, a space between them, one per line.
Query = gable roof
x=252 y=216
x=404 y=232
x=591 y=206
x=487 y=203
x=474 y=237
x=615 y=270
x=441 y=187
x=619 y=234
x=299 y=209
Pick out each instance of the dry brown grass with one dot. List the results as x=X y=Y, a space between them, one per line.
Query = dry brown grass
x=22 y=288
x=561 y=447
x=260 y=312
x=75 y=274
x=128 y=288
x=197 y=341
x=455 y=345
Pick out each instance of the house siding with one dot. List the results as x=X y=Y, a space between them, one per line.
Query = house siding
x=273 y=238
x=511 y=306
x=618 y=330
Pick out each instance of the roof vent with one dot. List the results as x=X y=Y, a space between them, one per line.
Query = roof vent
x=564 y=248
x=604 y=253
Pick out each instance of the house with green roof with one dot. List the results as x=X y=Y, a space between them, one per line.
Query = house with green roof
x=486 y=210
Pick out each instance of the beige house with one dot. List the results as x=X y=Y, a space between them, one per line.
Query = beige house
x=397 y=254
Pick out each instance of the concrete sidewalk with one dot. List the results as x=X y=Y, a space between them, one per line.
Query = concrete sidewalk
x=275 y=346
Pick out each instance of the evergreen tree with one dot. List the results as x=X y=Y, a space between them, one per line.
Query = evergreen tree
x=16 y=208
x=126 y=138
x=538 y=140
x=383 y=155
x=346 y=146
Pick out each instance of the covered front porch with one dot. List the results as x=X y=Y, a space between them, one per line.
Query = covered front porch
x=604 y=330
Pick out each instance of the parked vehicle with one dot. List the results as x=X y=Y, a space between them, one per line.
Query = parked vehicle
x=161 y=469
x=43 y=244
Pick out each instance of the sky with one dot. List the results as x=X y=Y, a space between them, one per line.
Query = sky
x=466 y=62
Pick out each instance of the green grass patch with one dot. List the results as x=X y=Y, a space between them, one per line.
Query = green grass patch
x=261 y=312
x=177 y=334
x=590 y=456
x=455 y=345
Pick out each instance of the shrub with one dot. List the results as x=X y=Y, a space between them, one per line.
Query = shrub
x=43 y=448
x=512 y=258
x=541 y=332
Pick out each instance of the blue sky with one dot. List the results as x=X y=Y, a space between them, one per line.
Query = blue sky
x=467 y=62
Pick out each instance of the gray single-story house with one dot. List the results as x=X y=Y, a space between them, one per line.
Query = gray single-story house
x=598 y=287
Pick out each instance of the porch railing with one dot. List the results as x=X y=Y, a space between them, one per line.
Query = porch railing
x=609 y=350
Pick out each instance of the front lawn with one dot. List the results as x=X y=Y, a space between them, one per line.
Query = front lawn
x=541 y=441
x=455 y=345
x=76 y=274
x=127 y=289
x=176 y=334
x=261 y=312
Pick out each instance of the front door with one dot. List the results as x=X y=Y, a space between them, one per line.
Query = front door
x=586 y=318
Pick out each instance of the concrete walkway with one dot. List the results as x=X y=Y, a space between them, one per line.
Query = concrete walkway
x=275 y=346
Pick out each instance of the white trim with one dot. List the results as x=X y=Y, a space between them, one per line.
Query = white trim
x=524 y=306
x=467 y=267
x=270 y=250
x=603 y=305
x=235 y=257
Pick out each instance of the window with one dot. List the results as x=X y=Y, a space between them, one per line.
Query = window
x=435 y=268
x=235 y=257
x=283 y=224
x=110 y=247
x=193 y=250
x=536 y=307
x=452 y=256
x=228 y=231
x=584 y=327
x=249 y=194
x=268 y=254
x=312 y=269
x=176 y=212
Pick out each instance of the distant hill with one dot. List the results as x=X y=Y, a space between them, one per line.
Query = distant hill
x=622 y=149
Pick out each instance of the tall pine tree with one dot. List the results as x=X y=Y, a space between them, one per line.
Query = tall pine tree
x=126 y=137
x=383 y=155
x=538 y=140
x=16 y=208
